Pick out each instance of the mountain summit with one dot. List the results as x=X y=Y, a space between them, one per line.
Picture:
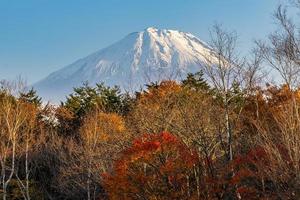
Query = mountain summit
x=139 y=58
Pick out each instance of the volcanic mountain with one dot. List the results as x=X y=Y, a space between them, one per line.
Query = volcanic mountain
x=139 y=58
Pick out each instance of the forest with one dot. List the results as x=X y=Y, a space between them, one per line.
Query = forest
x=225 y=132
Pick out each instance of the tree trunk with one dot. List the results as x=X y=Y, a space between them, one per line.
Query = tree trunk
x=89 y=182
x=27 y=171
x=5 y=184
x=228 y=130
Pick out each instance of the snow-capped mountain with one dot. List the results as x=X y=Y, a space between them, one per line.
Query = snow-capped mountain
x=139 y=58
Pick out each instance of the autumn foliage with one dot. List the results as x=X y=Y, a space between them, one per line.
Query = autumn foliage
x=169 y=144
x=230 y=137
x=156 y=166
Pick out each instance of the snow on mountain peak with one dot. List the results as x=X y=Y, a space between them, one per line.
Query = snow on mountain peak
x=151 y=28
x=141 y=57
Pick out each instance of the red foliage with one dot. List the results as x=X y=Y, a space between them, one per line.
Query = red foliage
x=156 y=165
x=249 y=174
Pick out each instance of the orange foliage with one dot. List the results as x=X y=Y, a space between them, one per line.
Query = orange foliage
x=111 y=125
x=165 y=88
x=156 y=94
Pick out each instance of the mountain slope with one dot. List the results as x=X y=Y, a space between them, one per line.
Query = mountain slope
x=141 y=57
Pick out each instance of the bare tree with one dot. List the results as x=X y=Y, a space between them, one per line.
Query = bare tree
x=282 y=51
x=224 y=70
x=12 y=118
x=28 y=140
x=279 y=136
x=101 y=139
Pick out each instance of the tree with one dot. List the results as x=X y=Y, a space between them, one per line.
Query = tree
x=153 y=109
x=190 y=115
x=31 y=97
x=156 y=166
x=268 y=161
x=86 y=99
x=102 y=135
x=224 y=68
x=13 y=117
x=28 y=142
x=195 y=81
x=282 y=51
x=280 y=139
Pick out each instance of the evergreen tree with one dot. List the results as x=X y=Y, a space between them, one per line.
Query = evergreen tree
x=82 y=100
x=111 y=97
x=195 y=81
x=31 y=97
x=87 y=98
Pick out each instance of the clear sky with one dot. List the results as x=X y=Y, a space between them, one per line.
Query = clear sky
x=38 y=37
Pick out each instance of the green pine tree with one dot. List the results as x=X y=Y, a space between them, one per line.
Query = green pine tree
x=195 y=82
x=31 y=97
x=86 y=98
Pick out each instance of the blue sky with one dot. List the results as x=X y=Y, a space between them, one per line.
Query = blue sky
x=38 y=37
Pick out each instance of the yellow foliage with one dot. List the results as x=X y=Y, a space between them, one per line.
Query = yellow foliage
x=112 y=122
x=102 y=127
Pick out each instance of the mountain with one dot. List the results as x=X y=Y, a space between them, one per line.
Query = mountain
x=139 y=58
